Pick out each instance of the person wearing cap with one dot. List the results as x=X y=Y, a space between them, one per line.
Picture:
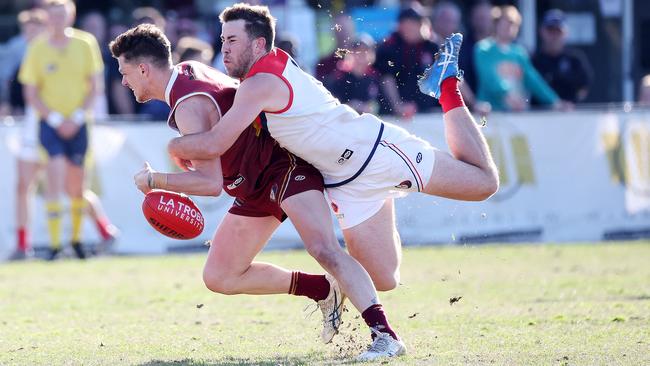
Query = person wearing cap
x=506 y=77
x=566 y=70
x=61 y=74
x=356 y=82
x=401 y=59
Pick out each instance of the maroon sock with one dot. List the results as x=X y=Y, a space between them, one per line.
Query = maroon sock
x=23 y=242
x=376 y=318
x=315 y=287
x=102 y=226
x=450 y=96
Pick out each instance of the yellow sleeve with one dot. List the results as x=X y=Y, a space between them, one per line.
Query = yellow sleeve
x=91 y=52
x=28 y=74
x=97 y=65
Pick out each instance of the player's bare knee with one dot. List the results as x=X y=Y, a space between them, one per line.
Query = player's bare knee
x=324 y=254
x=386 y=282
x=489 y=186
x=219 y=282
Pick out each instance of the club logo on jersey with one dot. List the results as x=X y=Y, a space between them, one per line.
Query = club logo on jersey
x=347 y=154
x=274 y=191
x=335 y=207
x=236 y=183
x=418 y=158
x=189 y=72
x=404 y=185
x=299 y=178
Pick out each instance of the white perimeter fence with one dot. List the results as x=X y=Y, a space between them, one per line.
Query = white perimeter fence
x=581 y=176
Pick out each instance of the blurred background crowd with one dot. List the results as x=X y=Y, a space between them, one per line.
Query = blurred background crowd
x=517 y=55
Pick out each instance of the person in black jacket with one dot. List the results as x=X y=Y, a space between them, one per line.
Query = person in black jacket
x=401 y=59
x=566 y=70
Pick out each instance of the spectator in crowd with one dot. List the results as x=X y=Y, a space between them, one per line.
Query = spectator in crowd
x=65 y=109
x=193 y=49
x=287 y=43
x=32 y=23
x=566 y=70
x=445 y=20
x=95 y=24
x=343 y=30
x=506 y=77
x=644 y=91
x=119 y=97
x=356 y=83
x=481 y=26
x=401 y=59
x=148 y=15
x=179 y=25
x=155 y=110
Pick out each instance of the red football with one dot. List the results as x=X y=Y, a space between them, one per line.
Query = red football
x=173 y=214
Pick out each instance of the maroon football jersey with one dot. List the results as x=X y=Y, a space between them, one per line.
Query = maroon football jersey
x=251 y=153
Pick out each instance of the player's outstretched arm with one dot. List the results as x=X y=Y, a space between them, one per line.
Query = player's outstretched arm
x=255 y=94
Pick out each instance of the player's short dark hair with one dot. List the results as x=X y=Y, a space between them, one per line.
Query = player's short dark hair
x=259 y=21
x=145 y=41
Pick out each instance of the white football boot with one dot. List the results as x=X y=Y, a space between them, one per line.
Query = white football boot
x=332 y=308
x=383 y=346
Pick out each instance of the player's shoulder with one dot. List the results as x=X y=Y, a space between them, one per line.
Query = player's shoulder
x=81 y=36
x=274 y=62
x=261 y=82
x=193 y=105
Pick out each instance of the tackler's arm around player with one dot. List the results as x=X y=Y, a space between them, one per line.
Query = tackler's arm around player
x=262 y=92
x=205 y=177
x=198 y=182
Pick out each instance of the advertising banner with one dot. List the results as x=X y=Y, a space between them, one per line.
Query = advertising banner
x=581 y=176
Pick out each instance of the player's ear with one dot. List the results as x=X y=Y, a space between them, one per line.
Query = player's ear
x=144 y=68
x=260 y=43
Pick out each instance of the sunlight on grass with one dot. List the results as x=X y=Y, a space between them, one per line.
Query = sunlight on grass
x=552 y=304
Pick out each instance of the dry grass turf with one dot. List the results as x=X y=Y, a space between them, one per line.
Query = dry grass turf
x=512 y=305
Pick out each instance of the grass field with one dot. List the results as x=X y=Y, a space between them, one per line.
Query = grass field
x=520 y=305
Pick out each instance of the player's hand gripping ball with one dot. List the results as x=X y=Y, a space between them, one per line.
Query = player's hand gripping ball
x=172 y=214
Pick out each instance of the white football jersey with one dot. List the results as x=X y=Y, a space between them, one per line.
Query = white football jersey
x=315 y=126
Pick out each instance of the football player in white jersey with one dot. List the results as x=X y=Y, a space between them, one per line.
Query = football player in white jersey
x=365 y=162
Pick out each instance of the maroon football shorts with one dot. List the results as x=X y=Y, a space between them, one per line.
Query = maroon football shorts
x=285 y=176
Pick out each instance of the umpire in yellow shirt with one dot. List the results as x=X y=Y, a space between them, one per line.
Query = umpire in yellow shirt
x=62 y=74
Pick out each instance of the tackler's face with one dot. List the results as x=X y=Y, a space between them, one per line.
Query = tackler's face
x=134 y=76
x=237 y=48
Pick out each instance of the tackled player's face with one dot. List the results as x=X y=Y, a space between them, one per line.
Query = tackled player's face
x=237 y=48
x=133 y=77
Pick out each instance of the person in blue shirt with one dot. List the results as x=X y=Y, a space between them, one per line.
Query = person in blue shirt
x=505 y=74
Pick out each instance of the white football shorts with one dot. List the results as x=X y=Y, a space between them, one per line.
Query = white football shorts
x=402 y=163
x=29 y=142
